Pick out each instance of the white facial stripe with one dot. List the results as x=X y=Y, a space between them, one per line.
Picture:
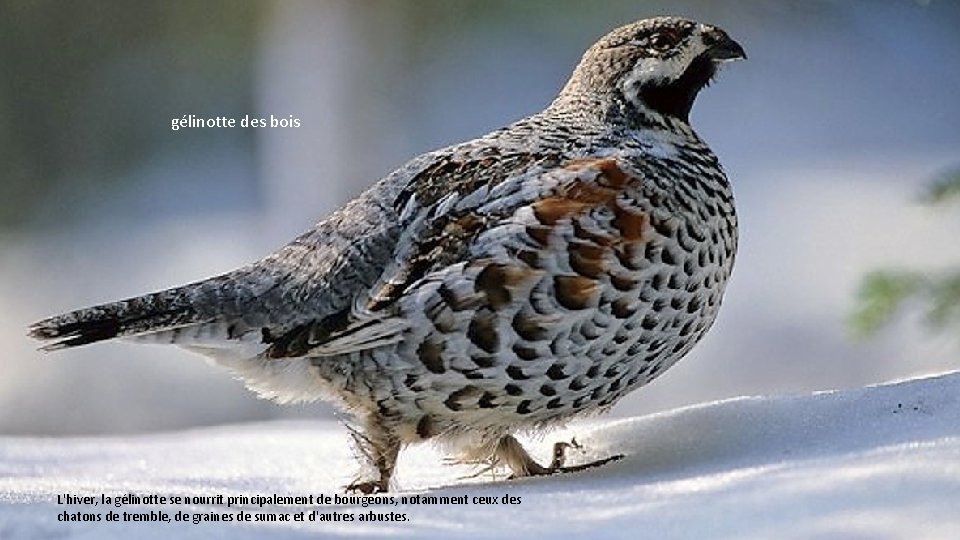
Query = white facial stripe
x=657 y=69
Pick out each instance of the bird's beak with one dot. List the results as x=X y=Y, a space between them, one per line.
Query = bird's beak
x=720 y=47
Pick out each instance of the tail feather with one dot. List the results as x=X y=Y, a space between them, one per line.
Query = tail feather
x=141 y=315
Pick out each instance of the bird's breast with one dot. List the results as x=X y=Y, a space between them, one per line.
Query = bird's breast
x=588 y=291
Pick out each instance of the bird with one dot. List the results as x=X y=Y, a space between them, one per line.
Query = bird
x=489 y=289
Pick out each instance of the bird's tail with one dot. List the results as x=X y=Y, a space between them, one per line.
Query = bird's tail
x=148 y=314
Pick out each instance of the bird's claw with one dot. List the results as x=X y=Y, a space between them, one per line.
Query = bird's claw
x=560 y=457
x=366 y=487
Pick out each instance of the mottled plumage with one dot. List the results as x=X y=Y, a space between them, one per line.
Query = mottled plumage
x=503 y=284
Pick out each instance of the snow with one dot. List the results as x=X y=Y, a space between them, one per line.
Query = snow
x=875 y=462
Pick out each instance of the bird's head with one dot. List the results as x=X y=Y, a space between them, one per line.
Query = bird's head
x=655 y=64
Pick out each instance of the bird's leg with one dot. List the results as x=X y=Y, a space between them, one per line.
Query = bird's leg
x=377 y=449
x=511 y=453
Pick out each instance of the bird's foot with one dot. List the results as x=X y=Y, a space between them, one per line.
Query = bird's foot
x=560 y=457
x=510 y=452
x=573 y=468
x=366 y=487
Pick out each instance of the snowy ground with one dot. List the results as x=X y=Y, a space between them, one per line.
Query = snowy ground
x=878 y=462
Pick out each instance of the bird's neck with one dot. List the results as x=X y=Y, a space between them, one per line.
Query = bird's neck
x=611 y=110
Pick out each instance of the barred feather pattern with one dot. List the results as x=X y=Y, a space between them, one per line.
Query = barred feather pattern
x=511 y=282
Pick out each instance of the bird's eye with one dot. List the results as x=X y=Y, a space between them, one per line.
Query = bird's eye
x=660 y=42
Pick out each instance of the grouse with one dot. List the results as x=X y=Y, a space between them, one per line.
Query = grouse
x=494 y=287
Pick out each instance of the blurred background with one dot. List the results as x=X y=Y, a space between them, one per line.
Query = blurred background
x=829 y=131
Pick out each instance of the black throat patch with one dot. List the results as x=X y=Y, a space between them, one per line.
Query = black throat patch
x=676 y=98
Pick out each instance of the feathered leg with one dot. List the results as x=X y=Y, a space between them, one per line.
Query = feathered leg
x=377 y=449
